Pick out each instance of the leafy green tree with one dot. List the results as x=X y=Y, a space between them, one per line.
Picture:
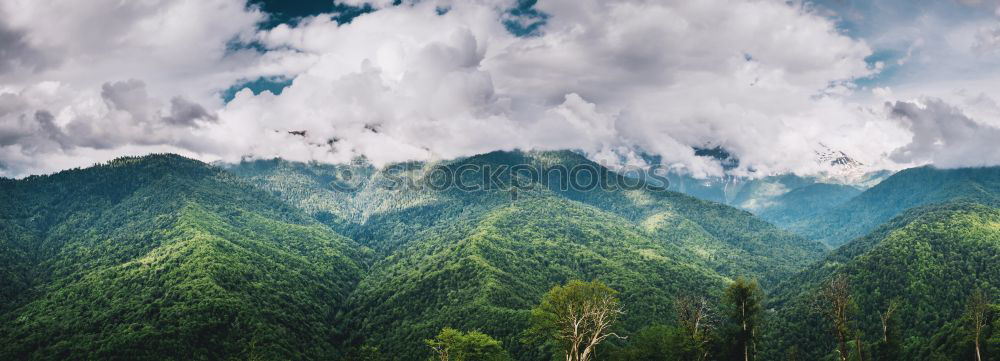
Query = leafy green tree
x=577 y=317
x=454 y=345
x=743 y=305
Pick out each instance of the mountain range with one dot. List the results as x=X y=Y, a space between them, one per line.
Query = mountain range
x=164 y=257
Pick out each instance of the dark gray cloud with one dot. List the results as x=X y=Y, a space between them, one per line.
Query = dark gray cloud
x=16 y=55
x=944 y=136
x=129 y=96
x=130 y=117
x=184 y=112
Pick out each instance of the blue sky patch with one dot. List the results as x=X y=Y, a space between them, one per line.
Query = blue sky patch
x=524 y=19
x=273 y=84
x=289 y=12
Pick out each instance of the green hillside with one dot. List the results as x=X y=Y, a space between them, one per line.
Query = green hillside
x=930 y=259
x=162 y=257
x=486 y=272
x=904 y=190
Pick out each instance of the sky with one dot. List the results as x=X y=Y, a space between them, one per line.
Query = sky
x=891 y=83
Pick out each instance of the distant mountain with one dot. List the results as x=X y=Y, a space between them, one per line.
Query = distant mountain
x=841 y=168
x=163 y=257
x=807 y=201
x=929 y=258
x=766 y=196
x=904 y=190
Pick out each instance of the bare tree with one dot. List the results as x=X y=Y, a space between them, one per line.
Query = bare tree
x=858 y=345
x=694 y=314
x=600 y=315
x=886 y=316
x=579 y=315
x=976 y=312
x=834 y=301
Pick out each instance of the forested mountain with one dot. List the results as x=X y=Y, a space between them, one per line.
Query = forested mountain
x=163 y=257
x=487 y=270
x=731 y=241
x=480 y=259
x=904 y=190
x=928 y=261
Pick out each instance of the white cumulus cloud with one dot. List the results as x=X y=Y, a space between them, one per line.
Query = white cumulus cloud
x=767 y=80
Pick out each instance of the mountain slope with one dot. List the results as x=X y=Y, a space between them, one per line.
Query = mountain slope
x=904 y=190
x=480 y=259
x=930 y=258
x=163 y=257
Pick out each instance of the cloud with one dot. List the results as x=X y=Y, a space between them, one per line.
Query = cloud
x=944 y=136
x=987 y=41
x=180 y=47
x=769 y=81
x=602 y=77
x=16 y=55
x=122 y=115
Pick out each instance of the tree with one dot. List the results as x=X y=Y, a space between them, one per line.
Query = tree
x=744 y=306
x=577 y=317
x=889 y=348
x=975 y=311
x=454 y=345
x=834 y=301
x=886 y=318
x=694 y=316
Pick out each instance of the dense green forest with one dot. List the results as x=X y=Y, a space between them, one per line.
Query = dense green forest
x=928 y=261
x=163 y=257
